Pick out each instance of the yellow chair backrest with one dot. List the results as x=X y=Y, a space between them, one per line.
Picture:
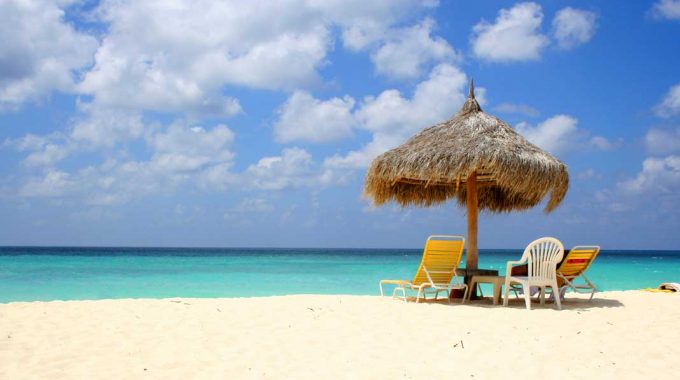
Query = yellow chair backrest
x=441 y=257
x=578 y=260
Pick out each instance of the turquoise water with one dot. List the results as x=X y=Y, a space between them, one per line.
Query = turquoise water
x=29 y=274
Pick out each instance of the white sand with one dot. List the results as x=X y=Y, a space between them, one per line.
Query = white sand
x=619 y=335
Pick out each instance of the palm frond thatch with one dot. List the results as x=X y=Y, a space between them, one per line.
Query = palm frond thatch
x=433 y=166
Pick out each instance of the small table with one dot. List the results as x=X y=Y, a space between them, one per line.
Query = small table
x=497 y=281
x=468 y=275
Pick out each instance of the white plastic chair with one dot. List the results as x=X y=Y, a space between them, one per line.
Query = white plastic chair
x=541 y=256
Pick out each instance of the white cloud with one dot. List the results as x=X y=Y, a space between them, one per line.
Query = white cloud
x=573 y=27
x=670 y=105
x=366 y=22
x=658 y=175
x=521 y=109
x=180 y=56
x=182 y=148
x=304 y=118
x=655 y=187
x=295 y=167
x=177 y=57
x=660 y=142
x=48 y=155
x=249 y=205
x=603 y=144
x=515 y=35
x=54 y=183
x=98 y=127
x=182 y=155
x=44 y=150
x=392 y=118
x=407 y=52
x=666 y=9
x=560 y=134
x=105 y=126
x=39 y=52
x=588 y=174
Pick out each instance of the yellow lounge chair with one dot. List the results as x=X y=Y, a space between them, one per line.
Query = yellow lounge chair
x=574 y=266
x=441 y=257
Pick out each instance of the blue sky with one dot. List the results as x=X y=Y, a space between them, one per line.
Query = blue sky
x=227 y=123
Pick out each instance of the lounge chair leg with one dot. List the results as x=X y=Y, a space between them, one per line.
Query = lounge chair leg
x=506 y=293
x=381 y=289
x=466 y=294
x=591 y=285
x=403 y=292
x=527 y=296
x=563 y=292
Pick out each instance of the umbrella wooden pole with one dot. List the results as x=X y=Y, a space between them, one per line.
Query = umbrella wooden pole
x=471 y=256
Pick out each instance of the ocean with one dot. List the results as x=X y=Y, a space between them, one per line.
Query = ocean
x=60 y=273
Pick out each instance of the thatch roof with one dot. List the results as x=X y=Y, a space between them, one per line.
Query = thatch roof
x=433 y=166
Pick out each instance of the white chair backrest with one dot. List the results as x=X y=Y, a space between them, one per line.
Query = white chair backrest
x=542 y=257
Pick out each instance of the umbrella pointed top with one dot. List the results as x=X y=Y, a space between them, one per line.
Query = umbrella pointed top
x=471 y=104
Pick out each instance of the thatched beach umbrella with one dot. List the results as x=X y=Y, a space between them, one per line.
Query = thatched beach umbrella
x=475 y=158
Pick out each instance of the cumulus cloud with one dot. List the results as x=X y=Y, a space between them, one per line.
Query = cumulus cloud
x=304 y=118
x=660 y=141
x=516 y=33
x=670 y=105
x=40 y=52
x=658 y=175
x=657 y=185
x=295 y=167
x=573 y=27
x=96 y=128
x=44 y=150
x=364 y=23
x=186 y=149
x=180 y=56
x=514 y=36
x=560 y=134
x=182 y=154
x=666 y=9
x=53 y=183
x=391 y=118
x=588 y=174
x=100 y=127
x=406 y=53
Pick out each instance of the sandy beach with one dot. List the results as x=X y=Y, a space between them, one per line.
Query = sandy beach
x=619 y=335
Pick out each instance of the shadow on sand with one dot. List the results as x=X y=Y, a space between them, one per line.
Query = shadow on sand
x=577 y=304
